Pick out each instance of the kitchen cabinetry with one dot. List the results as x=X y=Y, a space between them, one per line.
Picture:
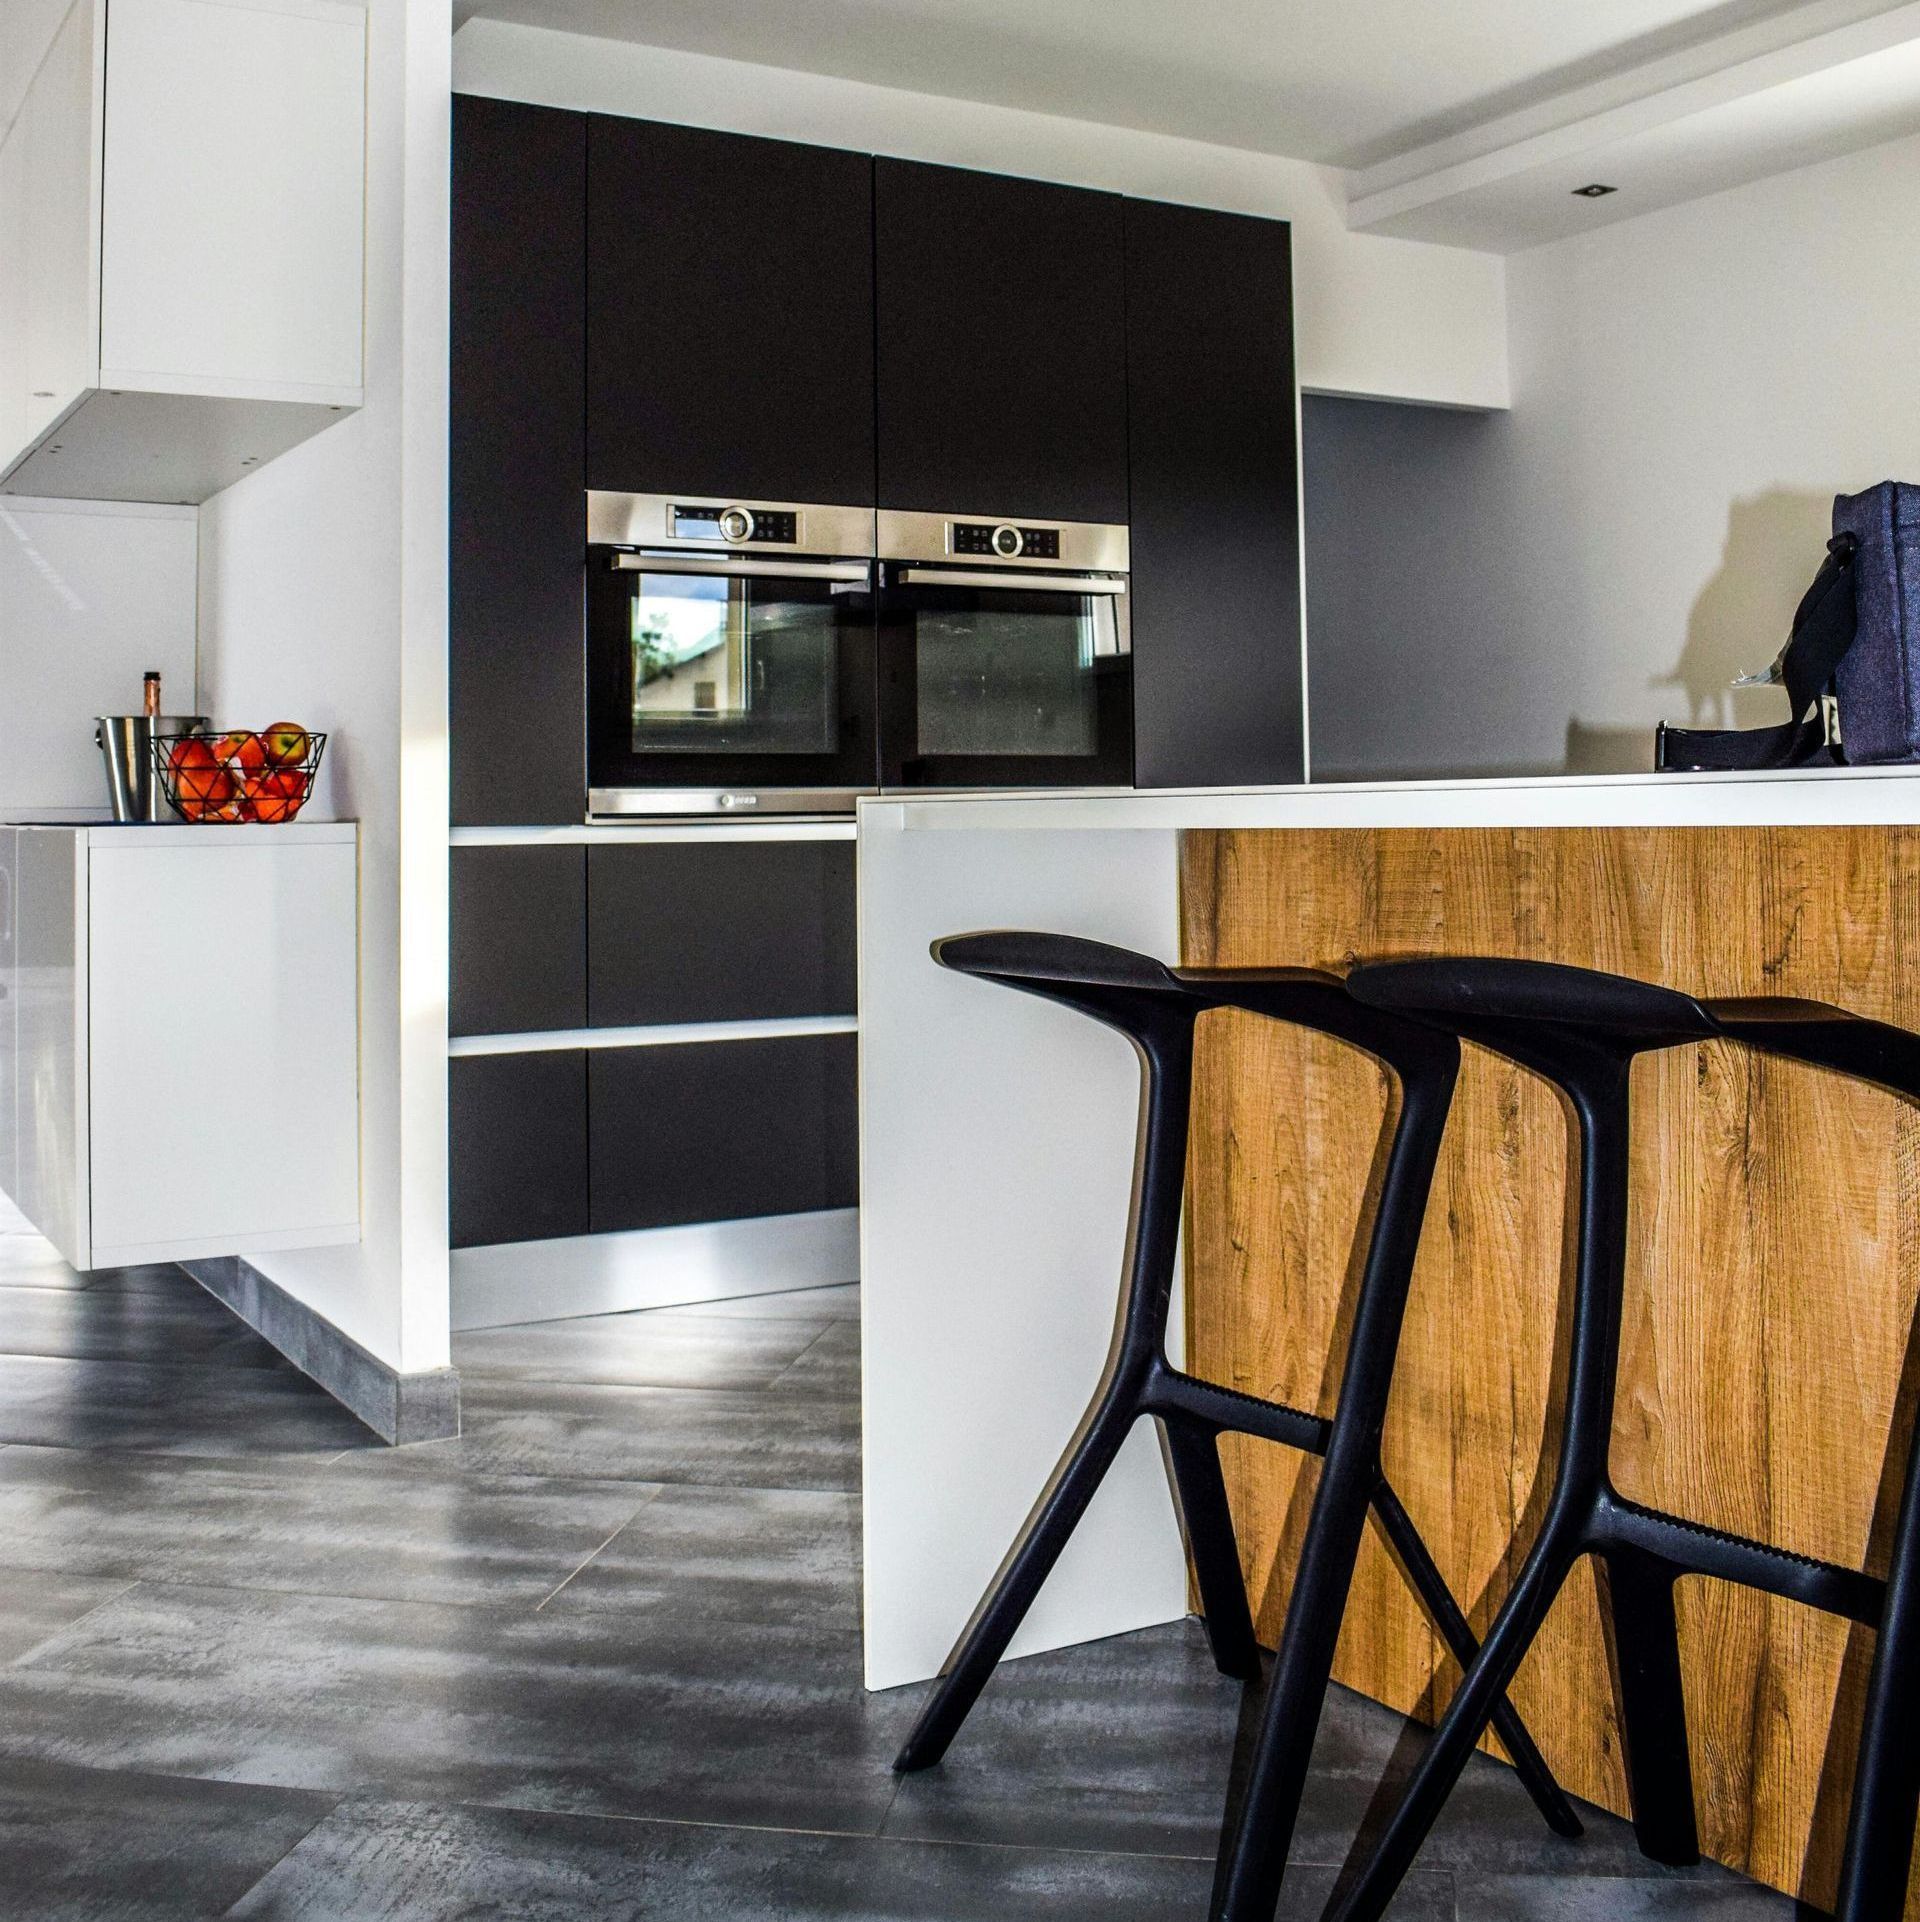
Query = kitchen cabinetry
x=519 y=918
x=1001 y=355
x=721 y=1131
x=184 y=1055
x=1217 y=643
x=727 y=931
x=190 y=220
x=730 y=316
x=517 y=1147
x=516 y=480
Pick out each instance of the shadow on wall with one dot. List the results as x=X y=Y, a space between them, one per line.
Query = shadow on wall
x=1738 y=621
x=1775 y=542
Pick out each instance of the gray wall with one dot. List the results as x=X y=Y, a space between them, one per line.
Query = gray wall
x=1416 y=664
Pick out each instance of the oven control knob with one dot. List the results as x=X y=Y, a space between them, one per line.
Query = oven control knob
x=1007 y=542
x=736 y=524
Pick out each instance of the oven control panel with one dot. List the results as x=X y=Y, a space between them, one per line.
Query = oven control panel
x=1001 y=541
x=735 y=524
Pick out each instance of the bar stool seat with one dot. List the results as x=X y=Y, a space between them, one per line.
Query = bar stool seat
x=1581 y=1030
x=1156 y=1008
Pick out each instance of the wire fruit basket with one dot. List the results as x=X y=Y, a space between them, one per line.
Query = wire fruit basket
x=242 y=775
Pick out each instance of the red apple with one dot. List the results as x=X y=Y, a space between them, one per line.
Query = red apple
x=243 y=751
x=286 y=743
x=277 y=795
x=200 y=783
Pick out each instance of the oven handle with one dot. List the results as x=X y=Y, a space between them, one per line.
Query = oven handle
x=982 y=577
x=727 y=564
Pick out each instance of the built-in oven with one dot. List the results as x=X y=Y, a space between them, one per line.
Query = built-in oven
x=730 y=660
x=1005 y=657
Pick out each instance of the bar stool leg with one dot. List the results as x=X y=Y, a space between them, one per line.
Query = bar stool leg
x=1159 y=1186
x=1653 y=1713
x=1255 y=1858
x=1886 y=1785
x=1026 y=1570
x=1195 y=1454
x=1452 y=1744
x=1426 y=1581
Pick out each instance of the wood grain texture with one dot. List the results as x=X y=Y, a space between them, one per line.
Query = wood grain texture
x=1768 y=1361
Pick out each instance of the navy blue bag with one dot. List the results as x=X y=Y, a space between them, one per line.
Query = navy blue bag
x=1851 y=666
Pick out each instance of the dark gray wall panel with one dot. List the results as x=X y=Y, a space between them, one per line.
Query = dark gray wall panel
x=517 y=1146
x=721 y=931
x=1410 y=626
x=719 y=1131
x=519 y=939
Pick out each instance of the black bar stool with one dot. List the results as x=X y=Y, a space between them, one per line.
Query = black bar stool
x=1581 y=1030
x=1156 y=1007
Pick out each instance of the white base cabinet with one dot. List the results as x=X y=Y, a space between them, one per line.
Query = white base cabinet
x=179 y=1039
x=182 y=245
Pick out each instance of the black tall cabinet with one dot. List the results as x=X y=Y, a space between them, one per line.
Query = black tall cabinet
x=1215 y=499
x=517 y=511
x=730 y=316
x=1001 y=345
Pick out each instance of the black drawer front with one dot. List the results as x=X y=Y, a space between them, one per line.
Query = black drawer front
x=519 y=940
x=721 y=1131
x=733 y=931
x=517 y=1146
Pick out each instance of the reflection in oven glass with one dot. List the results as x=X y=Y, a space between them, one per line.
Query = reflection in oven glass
x=722 y=665
x=1013 y=676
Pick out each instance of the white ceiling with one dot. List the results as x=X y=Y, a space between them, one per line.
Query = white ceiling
x=1352 y=82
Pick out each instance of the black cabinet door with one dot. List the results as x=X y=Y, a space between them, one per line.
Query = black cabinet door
x=730 y=316
x=519 y=939
x=720 y=1131
x=1216 y=540
x=516 y=1146
x=517 y=488
x=1001 y=345
x=719 y=931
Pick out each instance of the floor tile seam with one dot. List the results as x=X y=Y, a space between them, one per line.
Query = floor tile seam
x=116 y=1449
x=639 y=1510
x=276 y=1364
x=300 y=1841
x=664 y=1479
x=780 y=1379
x=128 y=1585
x=371 y=1796
x=201 y=1584
x=520 y=1379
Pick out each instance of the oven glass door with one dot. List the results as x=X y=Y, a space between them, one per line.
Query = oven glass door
x=718 y=672
x=993 y=681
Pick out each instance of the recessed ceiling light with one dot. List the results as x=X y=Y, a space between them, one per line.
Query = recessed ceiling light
x=1594 y=189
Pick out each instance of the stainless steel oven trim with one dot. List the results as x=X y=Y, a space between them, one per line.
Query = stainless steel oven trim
x=929 y=537
x=741 y=803
x=646 y=520
x=731 y=567
x=1026 y=583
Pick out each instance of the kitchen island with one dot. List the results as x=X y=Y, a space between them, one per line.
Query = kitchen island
x=1771 y=1281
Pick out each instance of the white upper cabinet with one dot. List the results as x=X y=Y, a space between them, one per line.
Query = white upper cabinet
x=182 y=245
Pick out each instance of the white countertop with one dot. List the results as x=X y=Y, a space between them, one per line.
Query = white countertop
x=174 y=833
x=1830 y=797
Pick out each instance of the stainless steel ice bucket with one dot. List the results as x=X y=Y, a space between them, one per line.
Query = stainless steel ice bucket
x=126 y=745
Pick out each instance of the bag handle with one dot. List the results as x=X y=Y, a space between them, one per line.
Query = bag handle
x=1823 y=630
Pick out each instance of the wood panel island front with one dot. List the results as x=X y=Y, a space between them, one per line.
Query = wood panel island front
x=1768 y=1372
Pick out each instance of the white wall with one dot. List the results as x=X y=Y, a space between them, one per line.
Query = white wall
x=27 y=28
x=1690 y=391
x=1373 y=316
x=91 y=595
x=323 y=585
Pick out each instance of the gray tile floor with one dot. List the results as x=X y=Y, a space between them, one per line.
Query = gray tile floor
x=597 y=1658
